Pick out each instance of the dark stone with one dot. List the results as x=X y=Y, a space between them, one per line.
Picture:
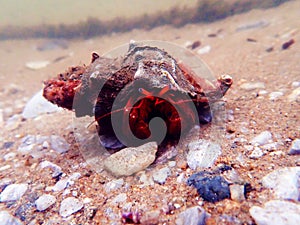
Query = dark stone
x=210 y=187
x=7 y=144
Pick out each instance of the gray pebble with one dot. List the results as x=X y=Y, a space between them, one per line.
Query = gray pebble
x=150 y=217
x=192 y=216
x=263 y=138
x=296 y=84
x=59 y=144
x=13 y=122
x=131 y=160
x=284 y=182
x=161 y=175
x=275 y=95
x=113 y=185
x=256 y=153
x=237 y=192
x=13 y=192
x=119 y=198
x=64 y=183
x=295 y=147
x=7 y=219
x=38 y=105
x=295 y=95
x=27 y=144
x=276 y=212
x=202 y=154
x=44 y=202
x=56 y=169
x=69 y=206
x=252 y=86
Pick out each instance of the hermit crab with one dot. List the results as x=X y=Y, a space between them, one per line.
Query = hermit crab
x=144 y=95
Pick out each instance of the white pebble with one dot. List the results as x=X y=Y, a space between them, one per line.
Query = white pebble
x=276 y=212
x=296 y=84
x=69 y=206
x=263 y=138
x=38 y=105
x=13 y=192
x=295 y=95
x=284 y=182
x=275 y=95
x=204 y=50
x=131 y=160
x=202 y=154
x=295 y=147
x=161 y=175
x=113 y=185
x=7 y=219
x=56 y=169
x=27 y=144
x=13 y=122
x=119 y=198
x=256 y=153
x=252 y=86
x=36 y=65
x=59 y=144
x=44 y=202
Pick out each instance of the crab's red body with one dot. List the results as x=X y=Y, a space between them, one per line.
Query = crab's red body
x=125 y=94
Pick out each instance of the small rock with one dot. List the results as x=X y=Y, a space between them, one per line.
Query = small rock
x=131 y=160
x=113 y=185
x=287 y=44
x=13 y=122
x=262 y=92
x=256 y=153
x=8 y=219
x=36 y=65
x=9 y=156
x=192 y=216
x=59 y=144
x=69 y=206
x=252 y=86
x=284 y=182
x=119 y=198
x=193 y=45
x=202 y=154
x=64 y=183
x=27 y=144
x=237 y=192
x=295 y=147
x=270 y=147
x=296 y=84
x=204 y=50
x=263 y=138
x=275 y=95
x=145 y=180
x=150 y=217
x=38 y=105
x=44 y=202
x=210 y=187
x=13 y=192
x=276 y=212
x=7 y=144
x=56 y=169
x=161 y=175
x=295 y=95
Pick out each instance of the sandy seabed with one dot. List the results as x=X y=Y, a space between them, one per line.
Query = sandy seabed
x=247 y=46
